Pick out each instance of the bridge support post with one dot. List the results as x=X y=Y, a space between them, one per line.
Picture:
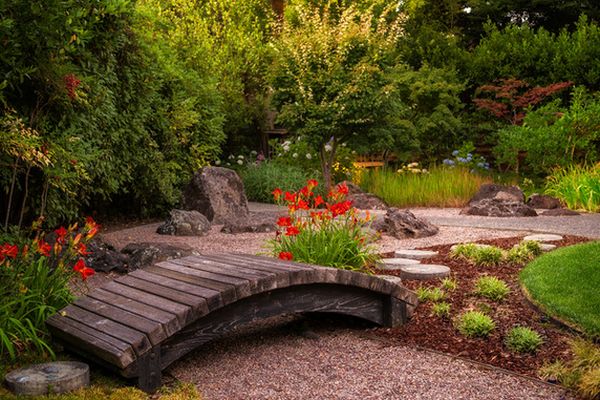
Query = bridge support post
x=149 y=370
x=394 y=312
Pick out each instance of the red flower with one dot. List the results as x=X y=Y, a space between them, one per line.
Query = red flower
x=284 y=221
x=44 y=248
x=61 y=233
x=292 y=231
x=342 y=189
x=86 y=273
x=303 y=205
x=9 y=250
x=305 y=192
x=79 y=266
x=290 y=197
x=277 y=194
x=319 y=200
x=82 y=249
x=340 y=208
x=286 y=255
x=312 y=183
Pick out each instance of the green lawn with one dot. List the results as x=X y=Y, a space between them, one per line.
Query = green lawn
x=566 y=283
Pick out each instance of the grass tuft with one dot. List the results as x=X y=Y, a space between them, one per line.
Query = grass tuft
x=491 y=288
x=521 y=339
x=578 y=187
x=475 y=324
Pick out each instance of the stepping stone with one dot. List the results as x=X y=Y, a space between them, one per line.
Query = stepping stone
x=543 y=237
x=415 y=254
x=480 y=245
x=394 y=264
x=391 y=278
x=547 y=246
x=53 y=377
x=424 y=271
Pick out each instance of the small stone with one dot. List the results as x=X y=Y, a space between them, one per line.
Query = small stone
x=416 y=254
x=54 y=377
x=543 y=237
x=424 y=271
x=395 y=264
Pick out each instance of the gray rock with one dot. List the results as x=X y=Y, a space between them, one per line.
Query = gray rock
x=424 y=271
x=415 y=254
x=353 y=188
x=185 y=223
x=498 y=192
x=379 y=224
x=104 y=257
x=403 y=224
x=53 y=377
x=498 y=208
x=363 y=200
x=143 y=255
x=543 y=201
x=256 y=222
x=543 y=237
x=218 y=193
x=395 y=264
x=559 y=212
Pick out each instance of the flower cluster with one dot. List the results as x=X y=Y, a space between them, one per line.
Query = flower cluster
x=465 y=157
x=314 y=224
x=412 y=168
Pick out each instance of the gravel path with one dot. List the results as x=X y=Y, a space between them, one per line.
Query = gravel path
x=274 y=360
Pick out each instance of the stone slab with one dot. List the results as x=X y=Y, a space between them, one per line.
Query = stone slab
x=543 y=237
x=47 y=378
x=547 y=246
x=415 y=254
x=424 y=271
x=394 y=264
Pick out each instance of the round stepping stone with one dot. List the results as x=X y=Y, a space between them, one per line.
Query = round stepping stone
x=394 y=264
x=547 y=246
x=415 y=254
x=479 y=245
x=53 y=377
x=424 y=271
x=543 y=237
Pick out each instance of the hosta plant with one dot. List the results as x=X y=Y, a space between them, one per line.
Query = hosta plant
x=325 y=231
x=34 y=284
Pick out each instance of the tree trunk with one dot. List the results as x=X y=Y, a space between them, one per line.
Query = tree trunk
x=11 y=193
x=327 y=159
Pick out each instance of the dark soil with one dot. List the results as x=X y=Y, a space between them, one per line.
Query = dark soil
x=427 y=330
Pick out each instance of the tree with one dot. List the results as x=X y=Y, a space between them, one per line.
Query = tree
x=329 y=78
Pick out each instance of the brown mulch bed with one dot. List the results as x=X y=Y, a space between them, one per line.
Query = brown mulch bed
x=429 y=331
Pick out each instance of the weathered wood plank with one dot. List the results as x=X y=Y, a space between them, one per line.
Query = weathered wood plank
x=118 y=332
x=281 y=276
x=151 y=329
x=179 y=291
x=239 y=267
x=184 y=313
x=297 y=276
x=69 y=332
x=168 y=320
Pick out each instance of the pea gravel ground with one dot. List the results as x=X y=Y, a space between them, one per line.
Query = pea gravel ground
x=276 y=360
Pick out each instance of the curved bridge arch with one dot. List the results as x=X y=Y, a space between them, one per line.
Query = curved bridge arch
x=142 y=322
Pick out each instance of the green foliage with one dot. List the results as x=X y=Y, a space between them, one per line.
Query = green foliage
x=521 y=339
x=582 y=374
x=524 y=252
x=449 y=284
x=260 y=179
x=482 y=256
x=441 y=310
x=565 y=283
x=434 y=294
x=475 y=324
x=491 y=288
x=440 y=187
x=578 y=187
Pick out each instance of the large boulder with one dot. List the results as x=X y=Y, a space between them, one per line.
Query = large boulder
x=256 y=222
x=104 y=257
x=543 y=201
x=403 y=224
x=493 y=191
x=143 y=255
x=217 y=193
x=499 y=208
x=363 y=200
x=185 y=223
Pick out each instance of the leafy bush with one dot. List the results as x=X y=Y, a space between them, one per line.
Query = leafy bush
x=524 y=252
x=34 y=284
x=578 y=187
x=464 y=250
x=426 y=294
x=581 y=374
x=523 y=340
x=260 y=179
x=491 y=288
x=333 y=236
x=475 y=324
x=441 y=309
x=483 y=256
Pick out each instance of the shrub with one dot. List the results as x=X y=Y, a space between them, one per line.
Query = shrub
x=260 y=179
x=334 y=236
x=464 y=251
x=524 y=252
x=483 y=256
x=577 y=186
x=523 y=340
x=491 y=288
x=441 y=310
x=34 y=284
x=475 y=324
x=426 y=294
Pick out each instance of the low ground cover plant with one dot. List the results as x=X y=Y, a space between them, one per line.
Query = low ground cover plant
x=482 y=256
x=34 y=284
x=522 y=339
x=325 y=231
x=434 y=294
x=524 y=252
x=449 y=284
x=441 y=309
x=491 y=288
x=475 y=324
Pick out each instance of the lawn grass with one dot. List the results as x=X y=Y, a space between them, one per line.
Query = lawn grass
x=441 y=187
x=565 y=283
